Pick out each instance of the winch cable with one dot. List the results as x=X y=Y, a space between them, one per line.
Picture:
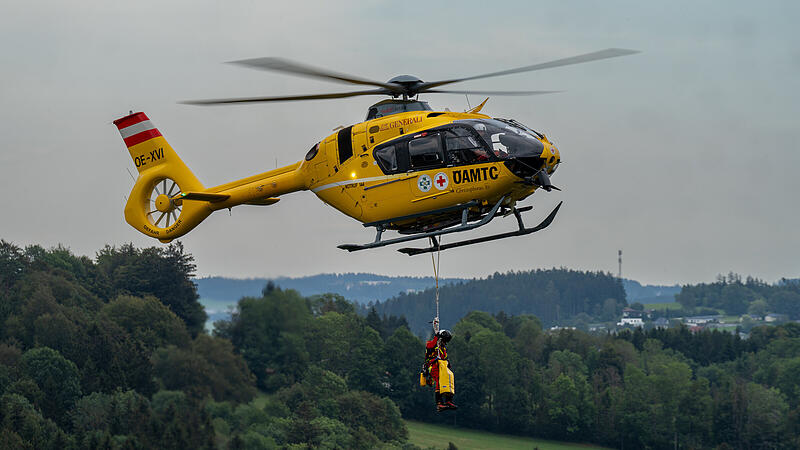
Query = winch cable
x=436 y=267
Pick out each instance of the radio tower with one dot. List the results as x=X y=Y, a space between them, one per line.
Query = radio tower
x=619 y=275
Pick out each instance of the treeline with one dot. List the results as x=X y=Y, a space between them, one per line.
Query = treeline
x=638 y=389
x=654 y=389
x=111 y=353
x=358 y=287
x=734 y=296
x=554 y=296
x=328 y=372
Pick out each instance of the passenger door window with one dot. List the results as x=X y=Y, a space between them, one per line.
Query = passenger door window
x=425 y=152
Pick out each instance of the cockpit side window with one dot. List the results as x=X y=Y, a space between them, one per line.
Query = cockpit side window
x=464 y=147
x=425 y=151
x=387 y=158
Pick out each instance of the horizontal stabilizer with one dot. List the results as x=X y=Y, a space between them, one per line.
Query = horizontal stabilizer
x=204 y=196
x=264 y=201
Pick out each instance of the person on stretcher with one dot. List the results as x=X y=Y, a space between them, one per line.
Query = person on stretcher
x=436 y=370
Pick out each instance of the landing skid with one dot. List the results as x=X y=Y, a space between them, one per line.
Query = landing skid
x=463 y=226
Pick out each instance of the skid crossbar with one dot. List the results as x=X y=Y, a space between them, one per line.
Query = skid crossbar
x=522 y=231
x=464 y=226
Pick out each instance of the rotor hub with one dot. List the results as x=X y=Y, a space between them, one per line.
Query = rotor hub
x=409 y=83
x=164 y=203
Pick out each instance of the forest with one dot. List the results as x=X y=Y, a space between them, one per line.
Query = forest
x=563 y=297
x=111 y=352
x=733 y=296
x=554 y=296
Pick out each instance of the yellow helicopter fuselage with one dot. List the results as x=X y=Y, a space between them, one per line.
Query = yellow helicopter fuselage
x=342 y=170
x=359 y=188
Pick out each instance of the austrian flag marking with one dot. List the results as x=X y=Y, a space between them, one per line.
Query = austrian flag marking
x=441 y=181
x=136 y=128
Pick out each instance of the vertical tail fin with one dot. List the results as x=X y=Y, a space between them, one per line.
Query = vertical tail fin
x=154 y=206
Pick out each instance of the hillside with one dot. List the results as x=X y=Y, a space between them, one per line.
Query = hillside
x=219 y=294
x=110 y=353
x=553 y=295
x=356 y=287
x=648 y=293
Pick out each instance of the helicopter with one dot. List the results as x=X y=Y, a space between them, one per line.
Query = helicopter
x=405 y=168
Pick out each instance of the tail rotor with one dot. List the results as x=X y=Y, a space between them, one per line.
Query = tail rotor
x=164 y=203
x=156 y=206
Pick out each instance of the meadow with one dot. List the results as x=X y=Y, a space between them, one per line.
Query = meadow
x=436 y=436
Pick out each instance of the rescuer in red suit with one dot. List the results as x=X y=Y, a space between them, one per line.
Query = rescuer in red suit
x=436 y=350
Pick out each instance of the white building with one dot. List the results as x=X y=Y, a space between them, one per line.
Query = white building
x=701 y=320
x=774 y=317
x=632 y=321
x=632 y=317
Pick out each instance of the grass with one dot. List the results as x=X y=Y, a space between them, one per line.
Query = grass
x=664 y=306
x=426 y=435
x=438 y=436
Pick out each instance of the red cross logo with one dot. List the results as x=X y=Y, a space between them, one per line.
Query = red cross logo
x=441 y=181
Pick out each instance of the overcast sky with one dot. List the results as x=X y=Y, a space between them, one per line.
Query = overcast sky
x=684 y=156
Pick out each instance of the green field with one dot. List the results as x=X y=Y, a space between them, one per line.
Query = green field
x=662 y=306
x=426 y=435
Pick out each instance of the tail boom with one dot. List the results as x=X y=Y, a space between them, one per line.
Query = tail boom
x=168 y=201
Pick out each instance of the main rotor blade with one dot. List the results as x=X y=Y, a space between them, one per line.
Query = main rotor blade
x=440 y=91
x=287 y=66
x=289 y=98
x=594 y=56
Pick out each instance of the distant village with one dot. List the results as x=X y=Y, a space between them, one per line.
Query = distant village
x=657 y=318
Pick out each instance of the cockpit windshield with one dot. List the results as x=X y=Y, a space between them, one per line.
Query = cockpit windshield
x=507 y=140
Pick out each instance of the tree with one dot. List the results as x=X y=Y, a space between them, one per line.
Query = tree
x=57 y=377
x=735 y=298
x=764 y=416
x=569 y=408
x=497 y=367
x=208 y=368
x=147 y=320
x=325 y=303
x=269 y=333
x=13 y=265
x=758 y=308
x=380 y=416
x=164 y=273
x=528 y=340
x=112 y=359
x=403 y=356
x=786 y=302
x=24 y=427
